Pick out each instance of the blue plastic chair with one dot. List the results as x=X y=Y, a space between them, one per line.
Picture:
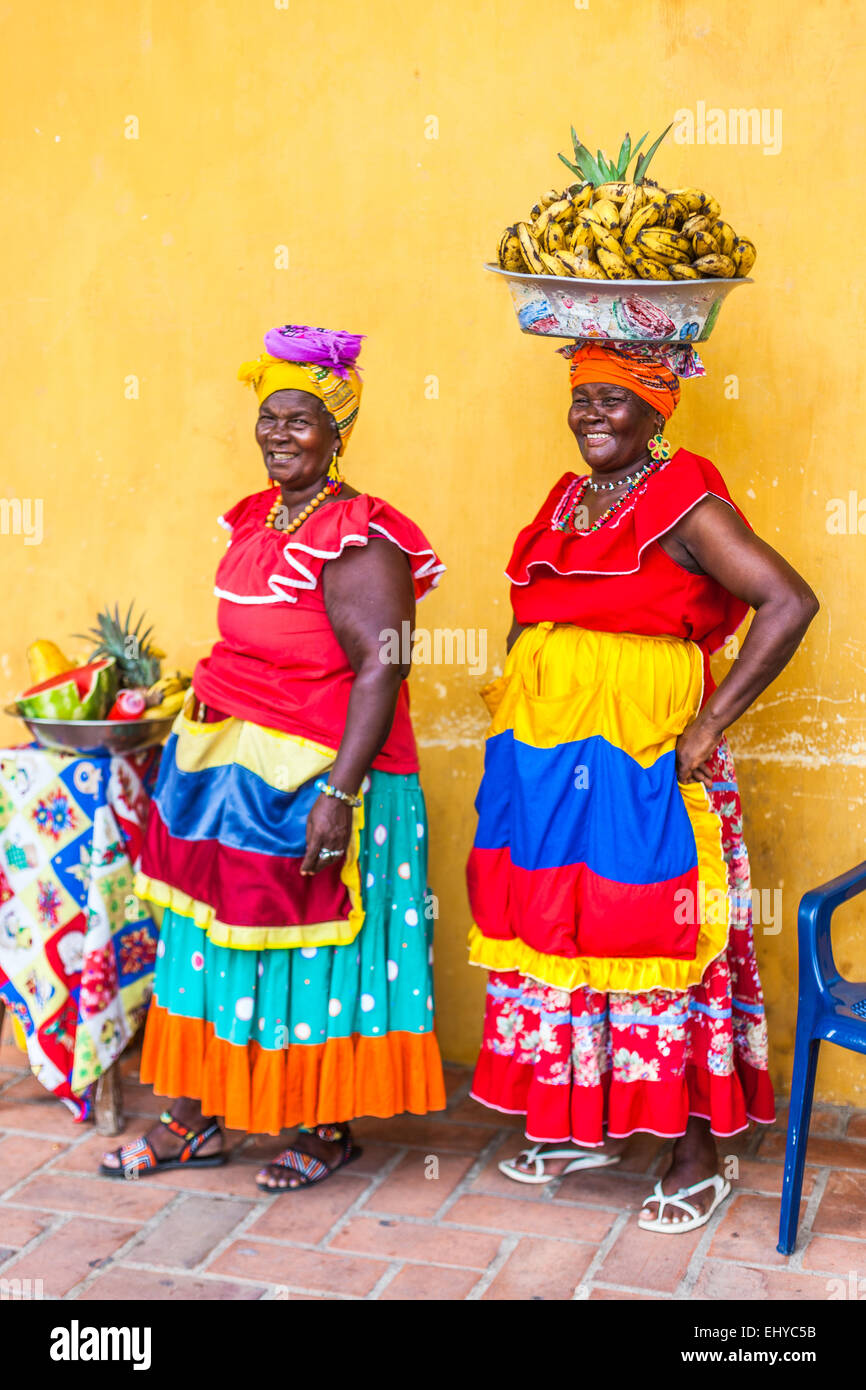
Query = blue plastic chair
x=830 y=1009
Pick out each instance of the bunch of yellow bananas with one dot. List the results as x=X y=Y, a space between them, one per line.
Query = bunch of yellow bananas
x=626 y=231
x=166 y=696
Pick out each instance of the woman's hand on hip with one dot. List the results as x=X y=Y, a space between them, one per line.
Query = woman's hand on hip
x=695 y=746
x=329 y=827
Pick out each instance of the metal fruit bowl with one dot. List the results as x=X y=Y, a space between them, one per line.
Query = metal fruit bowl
x=636 y=311
x=96 y=735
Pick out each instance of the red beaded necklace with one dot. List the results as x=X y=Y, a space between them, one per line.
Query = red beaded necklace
x=564 y=517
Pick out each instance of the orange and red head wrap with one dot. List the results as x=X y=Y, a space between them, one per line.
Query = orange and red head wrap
x=650 y=371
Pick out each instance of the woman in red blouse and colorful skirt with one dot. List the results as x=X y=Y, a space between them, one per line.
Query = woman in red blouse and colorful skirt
x=286 y=848
x=609 y=880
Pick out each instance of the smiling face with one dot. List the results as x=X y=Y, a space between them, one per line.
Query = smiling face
x=297 y=437
x=612 y=425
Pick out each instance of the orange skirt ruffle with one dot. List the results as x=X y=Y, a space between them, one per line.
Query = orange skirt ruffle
x=265 y=1091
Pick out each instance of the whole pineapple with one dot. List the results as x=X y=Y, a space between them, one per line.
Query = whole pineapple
x=139 y=662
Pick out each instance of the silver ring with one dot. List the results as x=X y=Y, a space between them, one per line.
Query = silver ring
x=331 y=853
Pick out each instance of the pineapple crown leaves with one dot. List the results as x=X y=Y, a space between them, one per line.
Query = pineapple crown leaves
x=600 y=169
x=130 y=647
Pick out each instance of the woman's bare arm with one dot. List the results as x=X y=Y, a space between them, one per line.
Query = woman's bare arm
x=721 y=545
x=367 y=591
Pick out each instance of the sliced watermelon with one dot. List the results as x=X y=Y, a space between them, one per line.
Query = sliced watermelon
x=86 y=692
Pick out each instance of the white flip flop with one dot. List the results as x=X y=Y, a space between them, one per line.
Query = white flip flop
x=694 y=1218
x=590 y=1159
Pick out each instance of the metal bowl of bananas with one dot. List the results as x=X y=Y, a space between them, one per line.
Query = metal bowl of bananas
x=617 y=257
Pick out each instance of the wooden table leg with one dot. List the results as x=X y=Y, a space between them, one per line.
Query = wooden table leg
x=108 y=1106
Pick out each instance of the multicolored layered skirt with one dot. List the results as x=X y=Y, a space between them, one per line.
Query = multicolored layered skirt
x=282 y=999
x=612 y=904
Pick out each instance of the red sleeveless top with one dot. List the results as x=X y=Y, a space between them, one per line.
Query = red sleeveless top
x=618 y=578
x=279 y=663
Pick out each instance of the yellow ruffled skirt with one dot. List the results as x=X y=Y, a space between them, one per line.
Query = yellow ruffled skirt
x=592 y=865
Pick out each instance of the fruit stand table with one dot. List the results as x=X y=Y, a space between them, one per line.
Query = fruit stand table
x=77 y=947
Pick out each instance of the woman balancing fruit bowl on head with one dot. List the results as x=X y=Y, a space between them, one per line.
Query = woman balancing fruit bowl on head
x=609 y=880
x=287 y=843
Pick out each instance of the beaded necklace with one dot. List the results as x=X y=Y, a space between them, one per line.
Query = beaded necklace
x=331 y=488
x=564 y=519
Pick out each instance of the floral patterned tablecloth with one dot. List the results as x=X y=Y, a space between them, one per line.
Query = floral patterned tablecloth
x=77 y=947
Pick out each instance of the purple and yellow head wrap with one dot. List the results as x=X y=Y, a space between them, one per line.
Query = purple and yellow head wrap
x=314 y=360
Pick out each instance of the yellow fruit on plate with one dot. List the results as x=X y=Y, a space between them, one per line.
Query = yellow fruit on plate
x=645 y=217
x=694 y=224
x=720 y=266
x=555 y=213
x=552 y=263
x=724 y=234
x=693 y=198
x=648 y=269
x=544 y=202
x=684 y=272
x=743 y=256
x=582 y=236
x=173 y=683
x=664 y=246
x=508 y=252
x=529 y=248
x=581 y=197
x=45 y=660
x=609 y=240
x=554 y=237
x=167 y=707
x=705 y=244
x=585 y=268
x=630 y=205
x=615 y=192
x=674 y=213
x=606 y=212
x=571 y=262
x=613 y=266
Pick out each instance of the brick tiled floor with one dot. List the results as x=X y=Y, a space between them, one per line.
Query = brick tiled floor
x=397 y=1225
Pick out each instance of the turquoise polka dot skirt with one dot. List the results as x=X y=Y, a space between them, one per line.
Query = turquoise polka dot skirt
x=311 y=1035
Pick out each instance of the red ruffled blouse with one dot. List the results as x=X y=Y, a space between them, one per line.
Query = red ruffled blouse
x=279 y=663
x=618 y=578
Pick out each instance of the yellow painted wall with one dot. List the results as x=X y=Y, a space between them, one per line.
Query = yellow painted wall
x=304 y=125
